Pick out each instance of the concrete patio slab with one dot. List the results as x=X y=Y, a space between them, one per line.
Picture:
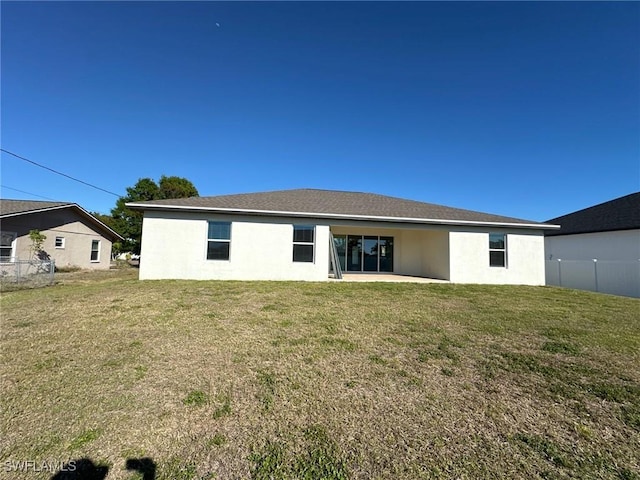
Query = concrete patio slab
x=379 y=277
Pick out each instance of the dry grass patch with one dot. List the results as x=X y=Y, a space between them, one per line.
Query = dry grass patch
x=321 y=380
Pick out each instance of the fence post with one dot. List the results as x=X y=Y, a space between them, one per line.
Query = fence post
x=595 y=272
x=17 y=271
x=559 y=272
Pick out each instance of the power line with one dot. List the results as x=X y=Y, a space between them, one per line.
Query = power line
x=59 y=173
x=28 y=193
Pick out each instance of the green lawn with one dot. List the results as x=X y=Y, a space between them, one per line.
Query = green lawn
x=320 y=380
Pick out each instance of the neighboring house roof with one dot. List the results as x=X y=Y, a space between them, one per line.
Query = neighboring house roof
x=14 y=208
x=619 y=214
x=312 y=203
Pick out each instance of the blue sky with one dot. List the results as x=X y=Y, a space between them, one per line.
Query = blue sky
x=529 y=110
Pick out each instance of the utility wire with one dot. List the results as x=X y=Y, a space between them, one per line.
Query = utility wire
x=59 y=173
x=28 y=193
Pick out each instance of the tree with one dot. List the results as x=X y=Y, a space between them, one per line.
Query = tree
x=128 y=223
x=37 y=239
x=106 y=219
x=176 y=187
x=37 y=252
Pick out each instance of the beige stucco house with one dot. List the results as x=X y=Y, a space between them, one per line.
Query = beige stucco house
x=75 y=238
x=315 y=235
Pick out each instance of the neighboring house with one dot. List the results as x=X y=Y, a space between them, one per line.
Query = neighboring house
x=294 y=234
x=75 y=238
x=597 y=248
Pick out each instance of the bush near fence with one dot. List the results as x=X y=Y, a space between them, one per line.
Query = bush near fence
x=605 y=276
x=26 y=274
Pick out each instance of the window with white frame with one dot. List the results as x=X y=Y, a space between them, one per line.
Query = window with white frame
x=498 y=249
x=218 y=240
x=303 y=243
x=59 y=242
x=7 y=246
x=95 y=250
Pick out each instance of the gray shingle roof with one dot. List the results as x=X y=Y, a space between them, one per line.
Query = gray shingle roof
x=328 y=203
x=619 y=214
x=13 y=207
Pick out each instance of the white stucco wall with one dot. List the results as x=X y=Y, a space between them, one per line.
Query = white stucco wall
x=409 y=253
x=435 y=254
x=174 y=245
x=620 y=246
x=424 y=253
x=469 y=258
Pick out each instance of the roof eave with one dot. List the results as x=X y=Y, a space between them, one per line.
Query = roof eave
x=38 y=210
x=339 y=216
x=585 y=232
x=103 y=226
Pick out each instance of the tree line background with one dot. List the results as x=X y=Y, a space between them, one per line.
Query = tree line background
x=127 y=222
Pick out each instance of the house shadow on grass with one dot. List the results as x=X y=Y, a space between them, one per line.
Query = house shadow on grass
x=81 y=469
x=85 y=469
x=145 y=466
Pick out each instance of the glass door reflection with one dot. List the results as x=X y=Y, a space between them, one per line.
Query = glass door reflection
x=354 y=253
x=370 y=254
x=364 y=253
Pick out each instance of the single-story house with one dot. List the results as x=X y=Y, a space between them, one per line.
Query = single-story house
x=597 y=248
x=75 y=238
x=308 y=234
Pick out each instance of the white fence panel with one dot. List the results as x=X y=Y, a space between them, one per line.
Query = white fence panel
x=606 y=276
x=619 y=278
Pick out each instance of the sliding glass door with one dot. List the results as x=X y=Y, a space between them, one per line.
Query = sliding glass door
x=386 y=254
x=354 y=253
x=340 y=242
x=370 y=254
x=364 y=253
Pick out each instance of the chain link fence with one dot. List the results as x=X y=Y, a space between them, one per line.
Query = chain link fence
x=605 y=276
x=26 y=274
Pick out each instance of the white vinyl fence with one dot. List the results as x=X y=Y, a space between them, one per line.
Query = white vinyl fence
x=606 y=276
x=27 y=273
